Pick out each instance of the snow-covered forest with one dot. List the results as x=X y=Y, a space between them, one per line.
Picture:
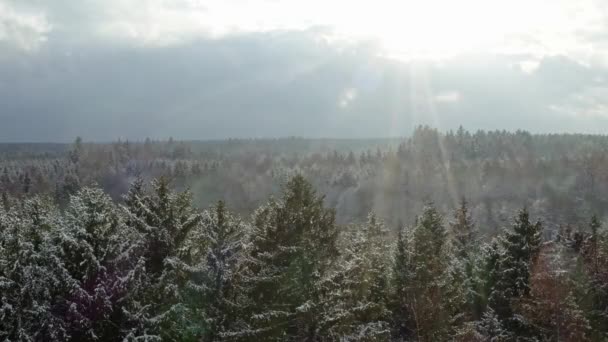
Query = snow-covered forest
x=441 y=236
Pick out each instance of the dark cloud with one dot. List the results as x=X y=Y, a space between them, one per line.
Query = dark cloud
x=279 y=84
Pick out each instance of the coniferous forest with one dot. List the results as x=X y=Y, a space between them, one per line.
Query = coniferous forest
x=440 y=236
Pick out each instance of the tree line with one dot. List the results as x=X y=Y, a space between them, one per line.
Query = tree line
x=152 y=267
x=559 y=177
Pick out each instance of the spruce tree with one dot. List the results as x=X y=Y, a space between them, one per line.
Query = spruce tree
x=463 y=266
x=463 y=231
x=226 y=238
x=170 y=264
x=32 y=274
x=94 y=246
x=520 y=246
x=421 y=285
x=292 y=248
x=356 y=307
x=402 y=322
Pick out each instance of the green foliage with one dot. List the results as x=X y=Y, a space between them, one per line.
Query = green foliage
x=422 y=279
x=292 y=248
x=520 y=246
x=155 y=268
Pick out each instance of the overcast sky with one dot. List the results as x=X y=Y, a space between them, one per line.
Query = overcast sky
x=268 y=68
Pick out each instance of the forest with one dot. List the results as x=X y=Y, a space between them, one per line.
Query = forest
x=438 y=236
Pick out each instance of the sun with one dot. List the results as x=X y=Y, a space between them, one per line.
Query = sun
x=439 y=28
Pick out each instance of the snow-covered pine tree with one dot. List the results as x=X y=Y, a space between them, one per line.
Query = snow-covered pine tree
x=356 y=299
x=592 y=280
x=403 y=324
x=490 y=328
x=488 y=274
x=520 y=246
x=32 y=275
x=94 y=245
x=226 y=235
x=292 y=248
x=170 y=265
x=463 y=231
x=423 y=259
x=464 y=266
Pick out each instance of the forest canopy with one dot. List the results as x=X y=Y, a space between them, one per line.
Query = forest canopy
x=486 y=236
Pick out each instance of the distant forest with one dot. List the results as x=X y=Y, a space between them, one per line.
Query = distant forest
x=456 y=236
x=560 y=178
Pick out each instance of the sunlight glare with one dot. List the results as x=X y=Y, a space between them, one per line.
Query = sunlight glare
x=437 y=28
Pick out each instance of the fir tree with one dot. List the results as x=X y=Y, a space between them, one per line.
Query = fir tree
x=292 y=248
x=356 y=306
x=422 y=258
x=463 y=267
x=169 y=244
x=226 y=234
x=32 y=275
x=463 y=231
x=94 y=247
x=520 y=247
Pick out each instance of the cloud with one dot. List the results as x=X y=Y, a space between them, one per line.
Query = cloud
x=347 y=97
x=529 y=66
x=576 y=28
x=21 y=29
x=237 y=68
x=589 y=103
x=448 y=97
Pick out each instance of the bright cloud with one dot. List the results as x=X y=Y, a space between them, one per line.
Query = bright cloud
x=333 y=68
x=407 y=28
x=448 y=97
x=22 y=29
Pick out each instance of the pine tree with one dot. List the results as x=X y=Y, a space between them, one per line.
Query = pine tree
x=463 y=231
x=226 y=234
x=520 y=247
x=488 y=275
x=491 y=329
x=356 y=306
x=421 y=274
x=94 y=246
x=592 y=251
x=463 y=267
x=592 y=279
x=6 y=202
x=75 y=152
x=292 y=248
x=403 y=324
x=32 y=276
x=170 y=264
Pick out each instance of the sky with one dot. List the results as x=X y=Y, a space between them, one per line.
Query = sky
x=203 y=69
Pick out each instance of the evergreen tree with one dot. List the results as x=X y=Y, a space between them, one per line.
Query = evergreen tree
x=488 y=275
x=490 y=328
x=403 y=324
x=292 y=248
x=226 y=234
x=520 y=246
x=421 y=279
x=32 y=275
x=94 y=246
x=463 y=266
x=592 y=251
x=75 y=152
x=356 y=306
x=463 y=231
x=170 y=264
x=592 y=280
